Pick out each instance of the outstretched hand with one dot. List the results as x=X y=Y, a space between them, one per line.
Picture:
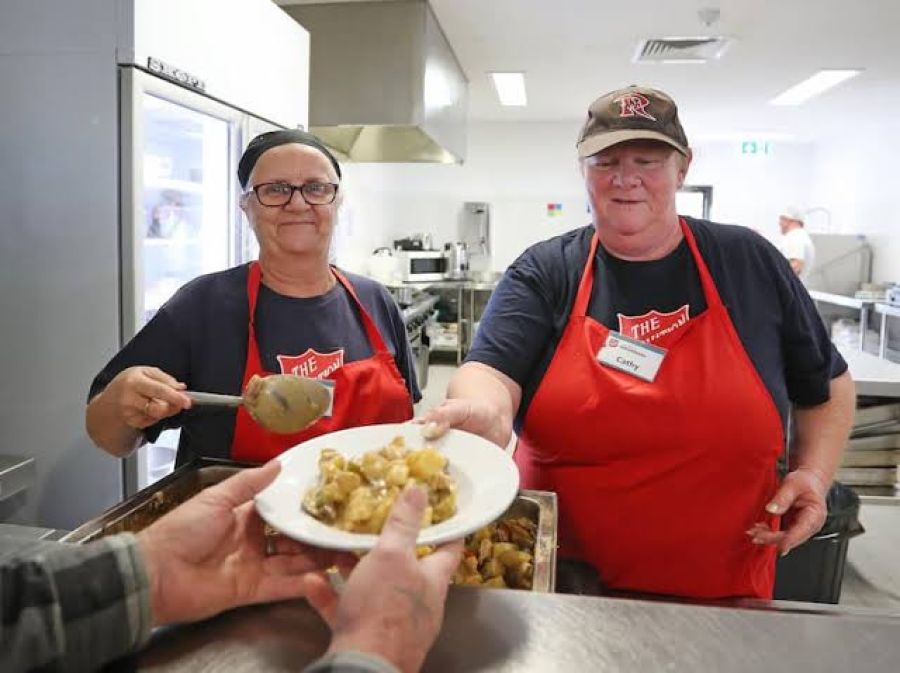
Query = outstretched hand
x=210 y=554
x=473 y=415
x=392 y=605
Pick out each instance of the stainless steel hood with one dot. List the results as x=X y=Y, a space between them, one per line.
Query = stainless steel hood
x=384 y=83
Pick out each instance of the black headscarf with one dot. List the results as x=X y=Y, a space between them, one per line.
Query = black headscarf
x=270 y=139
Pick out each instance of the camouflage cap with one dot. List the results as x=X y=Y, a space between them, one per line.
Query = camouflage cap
x=632 y=113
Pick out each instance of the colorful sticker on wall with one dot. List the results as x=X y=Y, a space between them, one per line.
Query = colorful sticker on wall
x=554 y=209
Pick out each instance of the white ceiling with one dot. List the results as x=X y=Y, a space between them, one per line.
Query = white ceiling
x=574 y=50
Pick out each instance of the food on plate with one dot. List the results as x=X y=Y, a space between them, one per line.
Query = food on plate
x=499 y=555
x=356 y=495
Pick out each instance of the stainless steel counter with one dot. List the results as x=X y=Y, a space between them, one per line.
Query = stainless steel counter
x=885 y=311
x=873 y=375
x=864 y=306
x=16 y=475
x=475 y=283
x=499 y=630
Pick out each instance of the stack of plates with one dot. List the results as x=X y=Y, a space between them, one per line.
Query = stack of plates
x=872 y=456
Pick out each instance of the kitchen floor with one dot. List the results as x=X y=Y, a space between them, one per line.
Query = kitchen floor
x=872 y=571
x=433 y=394
x=439 y=376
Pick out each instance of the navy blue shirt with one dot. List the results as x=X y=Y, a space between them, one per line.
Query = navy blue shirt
x=772 y=312
x=200 y=337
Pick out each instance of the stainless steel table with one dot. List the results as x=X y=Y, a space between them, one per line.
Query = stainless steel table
x=16 y=475
x=885 y=311
x=862 y=305
x=465 y=289
x=501 y=630
x=873 y=375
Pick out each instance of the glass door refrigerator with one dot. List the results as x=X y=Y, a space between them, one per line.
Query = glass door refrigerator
x=180 y=219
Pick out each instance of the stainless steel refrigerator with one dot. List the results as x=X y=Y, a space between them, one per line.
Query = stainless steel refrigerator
x=180 y=216
x=118 y=185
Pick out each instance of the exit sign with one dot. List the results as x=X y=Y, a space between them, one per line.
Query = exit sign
x=757 y=147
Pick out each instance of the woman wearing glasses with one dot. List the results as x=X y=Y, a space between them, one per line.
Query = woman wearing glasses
x=290 y=312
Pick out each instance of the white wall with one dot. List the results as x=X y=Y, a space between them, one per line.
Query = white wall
x=752 y=189
x=521 y=167
x=856 y=178
x=249 y=53
x=517 y=168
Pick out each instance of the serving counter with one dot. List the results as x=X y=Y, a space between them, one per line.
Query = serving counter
x=502 y=630
x=874 y=376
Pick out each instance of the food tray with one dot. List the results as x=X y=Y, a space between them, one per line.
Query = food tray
x=146 y=506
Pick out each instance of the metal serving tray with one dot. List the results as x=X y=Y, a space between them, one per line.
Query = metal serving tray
x=146 y=506
x=150 y=504
x=540 y=507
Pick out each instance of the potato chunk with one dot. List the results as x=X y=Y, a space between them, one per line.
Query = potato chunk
x=357 y=495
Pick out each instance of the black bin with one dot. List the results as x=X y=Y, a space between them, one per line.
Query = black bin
x=814 y=571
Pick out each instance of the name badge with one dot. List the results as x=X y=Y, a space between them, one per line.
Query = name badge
x=328 y=383
x=631 y=356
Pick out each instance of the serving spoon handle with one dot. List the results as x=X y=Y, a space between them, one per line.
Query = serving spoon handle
x=215 y=399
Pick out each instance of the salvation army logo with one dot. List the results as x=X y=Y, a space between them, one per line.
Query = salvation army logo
x=311 y=364
x=653 y=325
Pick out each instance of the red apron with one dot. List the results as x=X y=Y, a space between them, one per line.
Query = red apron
x=366 y=392
x=657 y=482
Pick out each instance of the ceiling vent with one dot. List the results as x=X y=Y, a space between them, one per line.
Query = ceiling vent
x=680 y=49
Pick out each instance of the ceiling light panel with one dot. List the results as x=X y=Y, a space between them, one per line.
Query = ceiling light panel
x=813 y=86
x=510 y=88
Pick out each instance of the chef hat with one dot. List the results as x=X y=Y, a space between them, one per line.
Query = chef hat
x=792 y=213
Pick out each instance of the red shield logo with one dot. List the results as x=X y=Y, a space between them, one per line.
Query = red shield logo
x=653 y=325
x=312 y=363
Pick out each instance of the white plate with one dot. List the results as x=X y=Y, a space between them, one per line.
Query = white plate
x=486 y=477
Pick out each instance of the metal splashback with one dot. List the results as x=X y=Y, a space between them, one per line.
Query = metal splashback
x=385 y=84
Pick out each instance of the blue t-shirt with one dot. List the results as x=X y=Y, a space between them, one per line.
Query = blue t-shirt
x=200 y=337
x=772 y=312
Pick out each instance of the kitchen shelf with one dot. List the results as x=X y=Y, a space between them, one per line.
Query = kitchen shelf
x=885 y=311
x=862 y=305
x=873 y=375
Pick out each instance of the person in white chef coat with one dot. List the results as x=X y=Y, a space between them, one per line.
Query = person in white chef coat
x=796 y=243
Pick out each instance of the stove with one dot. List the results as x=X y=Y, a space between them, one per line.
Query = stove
x=417 y=316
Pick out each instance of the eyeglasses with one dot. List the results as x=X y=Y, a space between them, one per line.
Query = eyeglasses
x=275 y=194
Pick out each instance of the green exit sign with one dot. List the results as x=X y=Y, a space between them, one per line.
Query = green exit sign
x=760 y=147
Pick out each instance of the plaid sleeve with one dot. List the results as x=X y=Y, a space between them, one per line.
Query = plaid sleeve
x=72 y=607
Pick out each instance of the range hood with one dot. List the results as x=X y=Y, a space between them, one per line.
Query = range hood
x=384 y=83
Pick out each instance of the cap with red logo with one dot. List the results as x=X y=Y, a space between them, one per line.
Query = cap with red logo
x=632 y=113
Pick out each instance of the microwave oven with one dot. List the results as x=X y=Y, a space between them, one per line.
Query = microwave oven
x=422 y=265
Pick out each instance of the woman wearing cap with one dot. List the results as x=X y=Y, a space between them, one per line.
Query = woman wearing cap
x=647 y=363
x=290 y=312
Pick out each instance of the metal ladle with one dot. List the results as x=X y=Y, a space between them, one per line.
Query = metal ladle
x=282 y=403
